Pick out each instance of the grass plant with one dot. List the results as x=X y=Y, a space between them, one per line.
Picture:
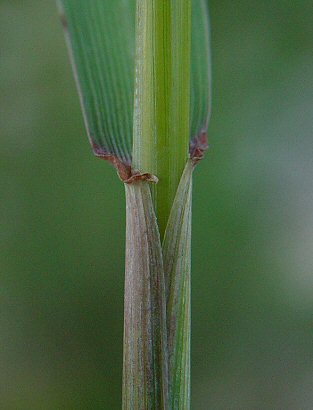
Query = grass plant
x=143 y=73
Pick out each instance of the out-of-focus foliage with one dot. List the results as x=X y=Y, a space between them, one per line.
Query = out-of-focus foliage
x=61 y=264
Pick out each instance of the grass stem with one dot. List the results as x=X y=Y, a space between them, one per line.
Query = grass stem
x=162 y=97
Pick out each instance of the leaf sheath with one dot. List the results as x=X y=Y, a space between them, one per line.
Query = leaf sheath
x=157 y=337
x=177 y=266
x=145 y=373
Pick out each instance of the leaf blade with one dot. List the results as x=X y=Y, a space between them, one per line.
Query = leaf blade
x=100 y=37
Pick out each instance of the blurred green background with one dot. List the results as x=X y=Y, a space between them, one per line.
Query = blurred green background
x=62 y=221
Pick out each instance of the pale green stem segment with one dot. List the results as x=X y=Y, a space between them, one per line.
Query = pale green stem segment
x=177 y=266
x=162 y=97
x=145 y=369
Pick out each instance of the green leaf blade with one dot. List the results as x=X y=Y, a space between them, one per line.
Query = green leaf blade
x=100 y=37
